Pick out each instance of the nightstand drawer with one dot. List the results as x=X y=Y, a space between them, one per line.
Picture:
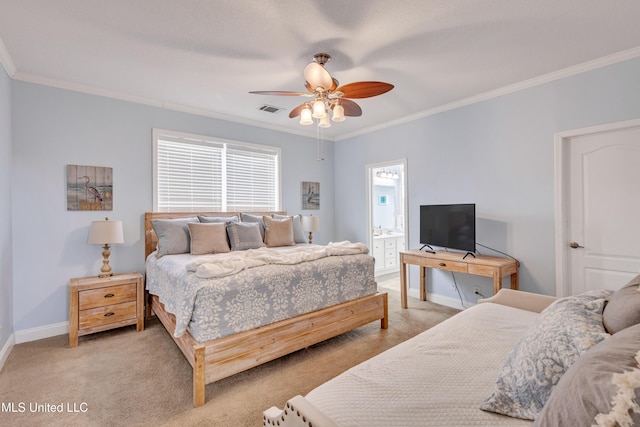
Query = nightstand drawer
x=107 y=296
x=107 y=314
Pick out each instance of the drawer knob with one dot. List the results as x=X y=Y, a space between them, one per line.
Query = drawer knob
x=111 y=313
x=442 y=264
x=109 y=295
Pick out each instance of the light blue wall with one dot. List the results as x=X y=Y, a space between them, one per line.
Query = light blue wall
x=498 y=154
x=6 y=274
x=53 y=128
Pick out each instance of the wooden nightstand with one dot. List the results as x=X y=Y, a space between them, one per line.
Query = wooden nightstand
x=101 y=303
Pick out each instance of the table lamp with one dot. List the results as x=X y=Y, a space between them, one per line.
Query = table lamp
x=311 y=223
x=104 y=233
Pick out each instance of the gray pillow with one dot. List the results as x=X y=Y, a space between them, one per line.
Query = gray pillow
x=560 y=334
x=298 y=233
x=623 y=308
x=254 y=218
x=173 y=235
x=244 y=235
x=225 y=219
x=585 y=395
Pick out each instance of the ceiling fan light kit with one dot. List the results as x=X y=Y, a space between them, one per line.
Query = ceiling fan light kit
x=327 y=96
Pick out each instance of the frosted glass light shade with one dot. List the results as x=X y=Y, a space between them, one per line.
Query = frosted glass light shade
x=319 y=111
x=338 y=113
x=305 y=116
x=324 y=122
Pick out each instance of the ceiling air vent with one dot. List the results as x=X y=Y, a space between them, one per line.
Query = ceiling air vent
x=270 y=109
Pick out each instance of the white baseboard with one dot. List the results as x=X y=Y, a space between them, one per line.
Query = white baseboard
x=438 y=299
x=6 y=350
x=41 y=332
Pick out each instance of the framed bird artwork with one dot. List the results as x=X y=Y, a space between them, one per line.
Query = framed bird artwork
x=89 y=188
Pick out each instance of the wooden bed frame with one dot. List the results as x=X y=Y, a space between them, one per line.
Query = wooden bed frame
x=223 y=357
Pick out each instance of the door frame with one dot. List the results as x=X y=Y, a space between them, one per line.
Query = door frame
x=368 y=170
x=561 y=191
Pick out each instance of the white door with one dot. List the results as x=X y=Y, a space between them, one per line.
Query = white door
x=602 y=236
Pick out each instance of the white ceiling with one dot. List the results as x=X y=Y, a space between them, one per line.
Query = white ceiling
x=204 y=56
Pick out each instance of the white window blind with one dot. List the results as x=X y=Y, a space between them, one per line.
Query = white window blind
x=197 y=173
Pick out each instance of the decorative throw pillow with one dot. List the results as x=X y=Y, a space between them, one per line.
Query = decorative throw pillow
x=602 y=388
x=209 y=238
x=173 y=235
x=561 y=333
x=278 y=232
x=623 y=308
x=224 y=219
x=244 y=235
x=298 y=233
x=254 y=218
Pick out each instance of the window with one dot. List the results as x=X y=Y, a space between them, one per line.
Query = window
x=198 y=173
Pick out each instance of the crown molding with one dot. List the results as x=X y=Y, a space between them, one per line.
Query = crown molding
x=9 y=66
x=6 y=61
x=526 y=84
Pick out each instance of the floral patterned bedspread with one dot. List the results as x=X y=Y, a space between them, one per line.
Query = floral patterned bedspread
x=214 y=308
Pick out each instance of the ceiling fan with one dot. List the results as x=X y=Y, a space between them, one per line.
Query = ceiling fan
x=327 y=96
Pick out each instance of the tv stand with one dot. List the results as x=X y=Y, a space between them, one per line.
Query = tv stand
x=480 y=265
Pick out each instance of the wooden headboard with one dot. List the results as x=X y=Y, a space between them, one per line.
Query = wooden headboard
x=151 y=240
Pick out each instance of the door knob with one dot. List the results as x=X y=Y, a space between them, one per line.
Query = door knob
x=575 y=245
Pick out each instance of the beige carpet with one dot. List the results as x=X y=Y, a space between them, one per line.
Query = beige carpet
x=129 y=378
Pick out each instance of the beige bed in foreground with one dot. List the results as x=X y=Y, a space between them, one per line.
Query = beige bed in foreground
x=520 y=357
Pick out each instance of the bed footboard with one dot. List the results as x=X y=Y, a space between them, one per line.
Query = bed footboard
x=298 y=412
x=223 y=357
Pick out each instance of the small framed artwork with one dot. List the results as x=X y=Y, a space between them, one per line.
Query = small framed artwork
x=89 y=188
x=310 y=192
x=383 y=200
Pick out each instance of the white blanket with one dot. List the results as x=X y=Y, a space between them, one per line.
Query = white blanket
x=221 y=265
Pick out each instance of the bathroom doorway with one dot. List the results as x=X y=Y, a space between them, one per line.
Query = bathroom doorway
x=387 y=214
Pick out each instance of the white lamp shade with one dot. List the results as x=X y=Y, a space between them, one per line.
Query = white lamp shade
x=317 y=76
x=311 y=223
x=104 y=232
x=305 y=116
x=324 y=122
x=338 y=113
x=319 y=111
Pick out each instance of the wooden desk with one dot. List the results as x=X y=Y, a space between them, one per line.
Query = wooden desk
x=481 y=265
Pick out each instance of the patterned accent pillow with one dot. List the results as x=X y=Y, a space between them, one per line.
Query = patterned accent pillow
x=623 y=308
x=244 y=235
x=278 y=232
x=561 y=333
x=173 y=235
x=608 y=380
x=208 y=238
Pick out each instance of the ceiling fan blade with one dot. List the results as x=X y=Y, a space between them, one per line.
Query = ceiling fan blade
x=351 y=108
x=317 y=76
x=296 y=111
x=279 y=93
x=364 y=89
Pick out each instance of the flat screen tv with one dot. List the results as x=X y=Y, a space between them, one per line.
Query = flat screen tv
x=449 y=226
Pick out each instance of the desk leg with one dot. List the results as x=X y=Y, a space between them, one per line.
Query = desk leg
x=423 y=283
x=403 y=284
x=514 y=281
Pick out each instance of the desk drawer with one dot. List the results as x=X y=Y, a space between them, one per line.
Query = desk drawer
x=106 y=296
x=107 y=314
x=460 y=267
